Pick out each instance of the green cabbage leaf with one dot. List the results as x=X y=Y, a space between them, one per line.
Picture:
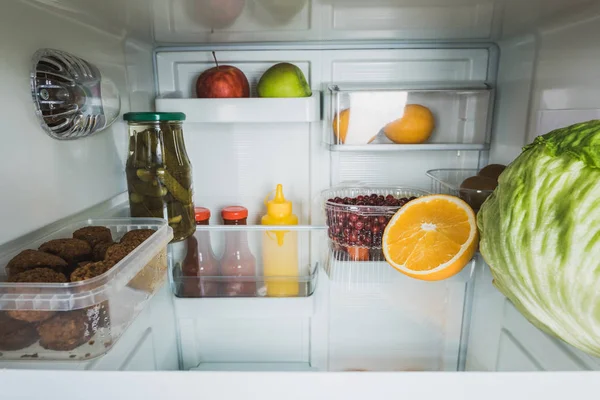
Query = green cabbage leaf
x=540 y=234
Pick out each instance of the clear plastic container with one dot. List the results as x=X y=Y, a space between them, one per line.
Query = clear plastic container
x=355 y=231
x=449 y=180
x=407 y=114
x=85 y=319
x=308 y=261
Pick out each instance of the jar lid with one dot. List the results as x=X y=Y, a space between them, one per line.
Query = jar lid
x=153 y=116
x=201 y=214
x=234 y=212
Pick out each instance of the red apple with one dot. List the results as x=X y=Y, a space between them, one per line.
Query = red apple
x=222 y=81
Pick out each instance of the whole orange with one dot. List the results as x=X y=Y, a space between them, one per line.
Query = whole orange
x=340 y=125
x=415 y=126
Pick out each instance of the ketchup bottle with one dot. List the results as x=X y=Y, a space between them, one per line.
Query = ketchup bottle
x=237 y=259
x=200 y=265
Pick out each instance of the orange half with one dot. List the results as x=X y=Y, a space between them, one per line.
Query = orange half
x=431 y=238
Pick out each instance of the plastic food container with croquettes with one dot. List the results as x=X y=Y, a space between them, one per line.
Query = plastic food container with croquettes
x=71 y=294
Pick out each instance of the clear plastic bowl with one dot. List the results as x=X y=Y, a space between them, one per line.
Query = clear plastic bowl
x=448 y=181
x=85 y=319
x=342 y=219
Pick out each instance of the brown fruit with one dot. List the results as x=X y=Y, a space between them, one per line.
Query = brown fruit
x=476 y=189
x=492 y=171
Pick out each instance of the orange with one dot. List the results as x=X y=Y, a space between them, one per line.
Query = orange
x=431 y=238
x=415 y=126
x=358 y=253
x=340 y=125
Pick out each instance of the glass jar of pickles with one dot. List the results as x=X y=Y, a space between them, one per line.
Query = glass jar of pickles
x=159 y=172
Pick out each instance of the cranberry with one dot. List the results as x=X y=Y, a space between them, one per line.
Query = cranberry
x=390 y=197
x=353 y=217
x=367 y=240
x=359 y=225
x=376 y=229
x=381 y=220
x=360 y=198
x=346 y=232
x=368 y=226
x=373 y=196
x=338 y=200
x=360 y=203
x=372 y=203
x=350 y=224
x=353 y=238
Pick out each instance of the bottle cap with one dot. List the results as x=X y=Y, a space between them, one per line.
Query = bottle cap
x=279 y=207
x=201 y=214
x=234 y=212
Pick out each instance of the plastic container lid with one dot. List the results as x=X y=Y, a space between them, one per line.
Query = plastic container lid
x=279 y=207
x=153 y=116
x=201 y=214
x=234 y=213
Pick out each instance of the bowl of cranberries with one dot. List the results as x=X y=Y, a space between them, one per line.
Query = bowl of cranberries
x=357 y=216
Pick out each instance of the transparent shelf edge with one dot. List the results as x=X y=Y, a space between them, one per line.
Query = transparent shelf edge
x=408 y=147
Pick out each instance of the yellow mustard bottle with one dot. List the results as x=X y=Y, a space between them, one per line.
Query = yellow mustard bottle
x=280 y=248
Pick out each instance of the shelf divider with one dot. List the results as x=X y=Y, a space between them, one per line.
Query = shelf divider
x=249 y=110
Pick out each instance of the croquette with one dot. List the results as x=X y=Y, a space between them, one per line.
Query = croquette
x=37 y=275
x=65 y=331
x=72 y=251
x=119 y=251
x=90 y=270
x=137 y=236
x=30 y=259
x=99 y=252
x=93 y=235
x=16 y=335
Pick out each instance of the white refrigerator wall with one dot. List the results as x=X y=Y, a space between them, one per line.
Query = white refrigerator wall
x=49 y=179
x=369 y=320
x=546 y=80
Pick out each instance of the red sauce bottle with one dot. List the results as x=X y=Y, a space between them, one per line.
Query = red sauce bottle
x=237 y=259
x=200 y=266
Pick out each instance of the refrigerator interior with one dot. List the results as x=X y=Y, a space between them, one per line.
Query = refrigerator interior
x=539 y=58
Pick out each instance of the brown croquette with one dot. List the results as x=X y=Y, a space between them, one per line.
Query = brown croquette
x=137 y=236
x=119 y=251
x=72 y=251
x=65 y=331
x=90 y=270
x=99 y=252
x=15 y=334
x=37 y=275
x=93 y=235
x=30 y=259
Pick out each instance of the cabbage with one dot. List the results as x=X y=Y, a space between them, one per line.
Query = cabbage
x=540 y=234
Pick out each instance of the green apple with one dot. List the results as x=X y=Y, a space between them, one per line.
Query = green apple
x=283 y=80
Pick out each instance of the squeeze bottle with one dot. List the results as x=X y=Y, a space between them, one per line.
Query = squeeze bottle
x=280 y=248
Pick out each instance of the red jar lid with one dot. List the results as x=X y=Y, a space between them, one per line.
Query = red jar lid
x=234 y=212
x=201 y=214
